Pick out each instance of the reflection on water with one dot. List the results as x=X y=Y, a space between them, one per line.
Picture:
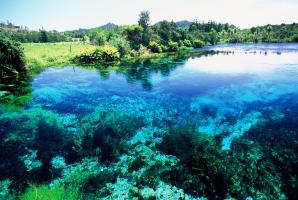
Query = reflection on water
x=228 y=94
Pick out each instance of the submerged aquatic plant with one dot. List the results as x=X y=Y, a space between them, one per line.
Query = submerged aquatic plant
x=31 y=139
x=104 y=132
x=201 y=161
x=261 y=164
x=43 y=192
x=277 y=140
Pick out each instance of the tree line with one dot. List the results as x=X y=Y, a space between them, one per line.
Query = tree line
x=160 y=37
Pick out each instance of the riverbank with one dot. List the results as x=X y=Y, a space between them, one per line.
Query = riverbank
x=41 y=55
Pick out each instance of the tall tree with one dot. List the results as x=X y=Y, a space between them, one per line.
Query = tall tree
x=144 y=19
x=44 y=36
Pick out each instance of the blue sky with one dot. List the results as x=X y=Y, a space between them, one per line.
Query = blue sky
x=73 y=14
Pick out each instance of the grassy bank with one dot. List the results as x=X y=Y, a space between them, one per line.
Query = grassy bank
x=40 y=55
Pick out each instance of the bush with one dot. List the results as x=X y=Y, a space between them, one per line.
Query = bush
x=155 y=47
x=198 y=44
x=173 y=46
x=294 y=38
x=187 y=43
x=120 y=43
x=100 y=55
x=11 y=58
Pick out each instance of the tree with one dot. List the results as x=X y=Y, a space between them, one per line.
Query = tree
x=134 y=35
x=43 y=36
x=144 y=19
x=97 y=37
x=12 y=60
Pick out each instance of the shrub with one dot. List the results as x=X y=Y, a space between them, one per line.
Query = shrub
x=184 y=49
x=120 y=43
x=155 y=47
x=294 y=38
x=187 y=43
x=173 y=46
x=100 y=55
x=107 y=54
x=98 y=38
x=11 y=58
x=197 y=43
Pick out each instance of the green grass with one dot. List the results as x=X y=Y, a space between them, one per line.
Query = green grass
x=41 y=55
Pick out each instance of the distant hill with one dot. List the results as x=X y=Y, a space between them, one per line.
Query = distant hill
x=109 y=26
x=183 y=23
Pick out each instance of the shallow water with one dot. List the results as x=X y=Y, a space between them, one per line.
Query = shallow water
x=226 y=92
x=240 y=84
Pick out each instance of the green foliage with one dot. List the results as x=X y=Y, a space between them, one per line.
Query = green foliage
x=267 y=33
x=11 y=58
x=294 y=38
x=43 y=36
x=209 y=26
x=97 y=37
x=187 y=43
x=24 y=35
x=213 y=37
x=155 y=47
x=105 y=54
x=173 y=46
x=198 y=43
x=134 y=40
x=134 y=35
x=144 y=19
x=120 y=43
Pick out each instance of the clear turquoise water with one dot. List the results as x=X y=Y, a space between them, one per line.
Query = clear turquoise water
x=226 y=92
x=210 y=90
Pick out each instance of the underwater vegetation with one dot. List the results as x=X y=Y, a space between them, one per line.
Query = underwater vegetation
x=15 y=93
x=104 y=131
x=124 y=133
x=261 y=164
x=31 y=139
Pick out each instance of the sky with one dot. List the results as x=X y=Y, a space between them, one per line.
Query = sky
x=64 y=15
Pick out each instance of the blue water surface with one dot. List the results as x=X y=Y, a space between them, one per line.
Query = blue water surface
x=225 y=92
